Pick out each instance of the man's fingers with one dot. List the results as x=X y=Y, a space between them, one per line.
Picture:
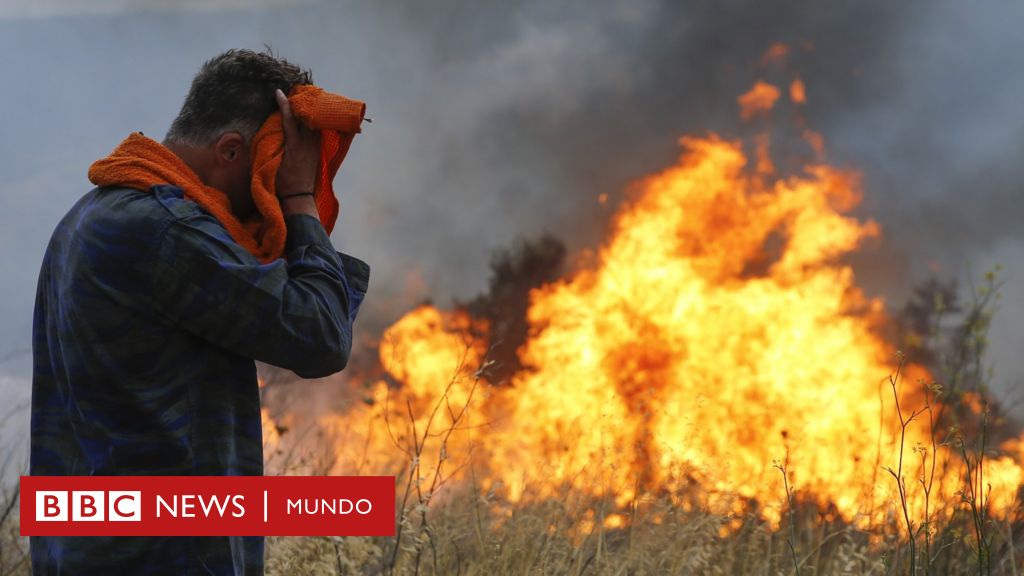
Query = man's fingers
x=283 y=104
x=301 y=162
x=288 y=123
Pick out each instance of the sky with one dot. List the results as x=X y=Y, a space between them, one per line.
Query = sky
x=497 y=121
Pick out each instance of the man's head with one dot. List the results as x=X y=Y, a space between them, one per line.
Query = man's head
x=230 y=98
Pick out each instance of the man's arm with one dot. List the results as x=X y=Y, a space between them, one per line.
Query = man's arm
x=295 y=313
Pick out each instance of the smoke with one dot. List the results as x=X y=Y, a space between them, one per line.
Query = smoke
x=548 y=107
x=18 y=9
x=496 y=121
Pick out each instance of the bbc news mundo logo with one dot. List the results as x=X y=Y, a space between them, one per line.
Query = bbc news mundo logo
x=89 y=506
x=207 y=506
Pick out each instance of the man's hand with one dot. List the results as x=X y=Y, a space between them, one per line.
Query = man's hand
x=300 y=165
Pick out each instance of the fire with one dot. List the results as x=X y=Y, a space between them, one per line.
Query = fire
x=716 y=341
x=797 y=92
x=758 y=100
x=775 y=54
x=816 y=142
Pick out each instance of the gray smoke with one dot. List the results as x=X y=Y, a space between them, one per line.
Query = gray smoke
x=498 y=120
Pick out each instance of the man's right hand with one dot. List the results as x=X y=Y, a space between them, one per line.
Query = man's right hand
x=300 y=165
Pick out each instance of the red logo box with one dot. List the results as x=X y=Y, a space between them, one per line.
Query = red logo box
x=207 y=505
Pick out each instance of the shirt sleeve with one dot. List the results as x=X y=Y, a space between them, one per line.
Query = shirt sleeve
x=295 y=312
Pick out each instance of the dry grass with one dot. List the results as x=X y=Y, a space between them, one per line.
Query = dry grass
x=480 y=533
x=13 y=548
x=546 y=538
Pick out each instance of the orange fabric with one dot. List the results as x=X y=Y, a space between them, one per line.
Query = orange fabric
x=140 y=162
x=338 y=118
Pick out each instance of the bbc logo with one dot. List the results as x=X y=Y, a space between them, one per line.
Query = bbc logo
x=89 y=506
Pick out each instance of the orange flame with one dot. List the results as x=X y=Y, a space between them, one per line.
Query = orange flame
x=717 y=336
x=797 y=92
x=758 y=101
x=775 y=54
x=817 y=143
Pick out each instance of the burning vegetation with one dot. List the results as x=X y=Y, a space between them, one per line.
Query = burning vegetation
x=714 y=356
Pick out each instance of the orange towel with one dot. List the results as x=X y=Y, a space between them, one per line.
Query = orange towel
x=140 y=162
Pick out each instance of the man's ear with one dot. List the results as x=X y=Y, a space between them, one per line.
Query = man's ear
x=229 y=148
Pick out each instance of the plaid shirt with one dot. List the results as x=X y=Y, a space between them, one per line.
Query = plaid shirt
x=148 y=319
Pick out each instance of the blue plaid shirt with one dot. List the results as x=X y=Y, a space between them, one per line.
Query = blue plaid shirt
x=148 y=319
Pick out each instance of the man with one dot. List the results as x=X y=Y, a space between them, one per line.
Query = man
x=149 y=315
